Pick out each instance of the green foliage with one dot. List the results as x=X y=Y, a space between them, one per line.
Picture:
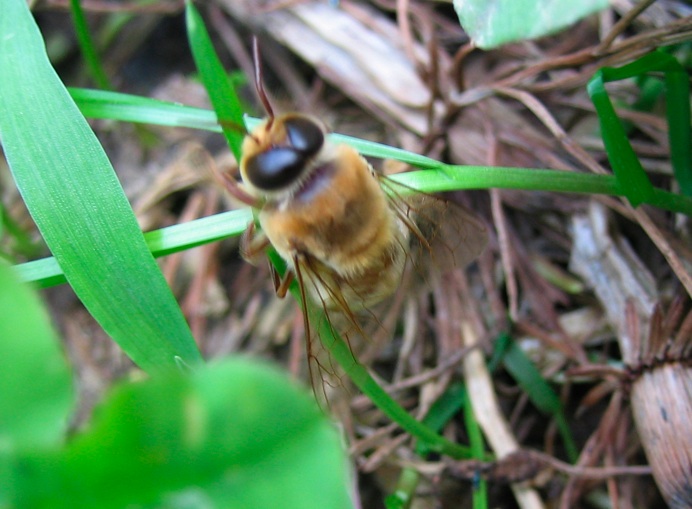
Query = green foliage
x=632 y=178
x=536 y=388
x=75 y=199
x=492 y=23
x=226 y=103
x=86 y=44
x=35 y=382
x=232 y=434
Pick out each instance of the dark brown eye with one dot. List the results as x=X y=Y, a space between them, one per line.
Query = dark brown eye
x=304 y=135
x=276 y=168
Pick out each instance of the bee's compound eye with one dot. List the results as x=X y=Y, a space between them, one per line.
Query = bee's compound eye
x=304 y=135
x=276 y=168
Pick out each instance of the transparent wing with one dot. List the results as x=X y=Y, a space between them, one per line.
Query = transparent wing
x=440 y=236
x=443 y=234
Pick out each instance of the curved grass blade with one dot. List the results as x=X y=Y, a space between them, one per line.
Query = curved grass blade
x=46 y=272
x=632 y=179
x=679 y=122
x=86 y=44
x=436 y=176
x=133 y=108
x=79 y=206
x=480 y=491
x=539 y=392
x=226 y=103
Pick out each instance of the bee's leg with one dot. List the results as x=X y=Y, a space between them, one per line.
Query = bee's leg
x=235 y=188
x=252 y=247
x=252 y=244
x=281 y=284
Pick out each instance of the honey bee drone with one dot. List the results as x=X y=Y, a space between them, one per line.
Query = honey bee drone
x=344 y=231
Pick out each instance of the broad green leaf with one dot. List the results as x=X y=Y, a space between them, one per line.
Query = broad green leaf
x=36 y=391
x=491 y=23
x=235 y=434
x=78 y=204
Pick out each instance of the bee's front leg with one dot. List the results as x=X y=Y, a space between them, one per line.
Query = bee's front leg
x=253 y=244
x=236 y=189
x=252 y=247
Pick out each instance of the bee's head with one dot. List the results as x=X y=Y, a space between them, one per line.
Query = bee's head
x=277 y=155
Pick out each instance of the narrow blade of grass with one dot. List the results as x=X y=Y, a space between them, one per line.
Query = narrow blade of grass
x=539 y=392
x=480 y=491
x=679 y=122
x=46 y=272
x=436 y=176
x=226 y=103
x=133 y=108
x=632 y=179
x=677 y=89
x=86 y=44
x=79 y=206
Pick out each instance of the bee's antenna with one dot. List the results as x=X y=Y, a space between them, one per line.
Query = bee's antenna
x=259 y=86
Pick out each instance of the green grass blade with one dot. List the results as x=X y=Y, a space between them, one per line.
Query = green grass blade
x=100 y=104
x=679 y=123
x=539 y=392
x=677 y=88
x=402 y=497
x=86 y=44
x=133 y=108
x=632 y=179
x=480 y=491
x=223 y=97
x=446 y=407
x=78 y=204
x=46 y=272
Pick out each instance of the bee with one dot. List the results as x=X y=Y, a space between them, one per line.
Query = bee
x=345 y=232
x=324 y=212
